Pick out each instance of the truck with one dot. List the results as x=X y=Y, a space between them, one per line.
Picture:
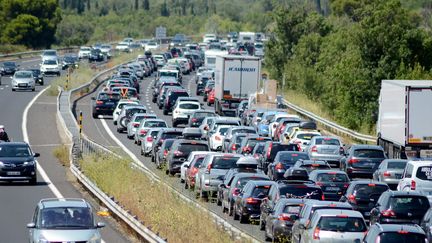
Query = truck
x=236 y=77
x=246 y=37
x=404 y=127
x=210 y=57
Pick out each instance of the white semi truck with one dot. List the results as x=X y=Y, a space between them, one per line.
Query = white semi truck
x=236 y=77
x=404 y=127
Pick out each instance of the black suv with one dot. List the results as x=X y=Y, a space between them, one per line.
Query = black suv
x=38 y=76
x=283 y=161
x=96 y=55
x=362 y=160
x=363 y=195
x=164 y=134
x=8 y=68
x=196 y=119
x=394 y=233
x=171 y=99
x=105 y=103
x=396 y=207
x=333 y=183
x=18 y=162
x=180 y=151
x=271 y=149
x=160 y=84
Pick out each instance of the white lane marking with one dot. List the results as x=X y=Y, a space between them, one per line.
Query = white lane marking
x=42 y=172
x=45 y=103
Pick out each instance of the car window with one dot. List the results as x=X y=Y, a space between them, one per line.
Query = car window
x=341 y=223
x=300 y=191
x=154 y=124
x=203 y=114
x=332 y=177
x=292 y=209
x=366 y=190
x=424 y=173
x=23 y=75
x=189 y=106
x=248 y=131
x=105 y=96
x=244 y=180
x=408 y=203
x=400 y=237
x=260 y=191
x=65 y=217
x=327 y=141
x=396 y=165
x=15 y=151
x=223 y=130
x=291 y=158
x=369 y=153
x=224 y=162
x=187 y=148
x=306 y=136
x=408 y=171
x=167 y=135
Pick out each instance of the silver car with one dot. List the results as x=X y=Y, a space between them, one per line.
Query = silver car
x=145 y=126
x=64 y=220
x=326 y=148
x=134 y=124
x=23 y=80
x=390 y=171
x=147 y=141
x=335 y=225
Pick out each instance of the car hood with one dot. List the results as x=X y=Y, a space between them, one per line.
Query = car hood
x=23 y=80
x=14 y=160
x=63 y=235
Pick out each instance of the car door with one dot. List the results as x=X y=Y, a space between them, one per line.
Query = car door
x=405 y=182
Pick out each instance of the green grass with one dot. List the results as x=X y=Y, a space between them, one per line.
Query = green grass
x=86 y=71
x=62 y=154
x=154 y=204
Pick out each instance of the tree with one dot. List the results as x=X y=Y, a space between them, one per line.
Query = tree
x=164 y=9
x=146 y=5
x=88 y=5
x=22 y=29
x=136 y=5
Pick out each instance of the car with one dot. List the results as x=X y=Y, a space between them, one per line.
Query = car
x=145 y=126
x=279 y=130
x=126 y=92
x=104 y=103
x=163 y=92
x=190 y=167
x=211 y=98
x=151 y=45
x=230 y=121
x=307 y=212
x=426 y=224
x=329 y=224
x=362 y=160
x=283 y=161
x=302 y=138
x=311 y=165
x=64 y=220
x=247 y=204
x=277 y=222
x=106 y=50
x=198 y=116
x=327 y=148
x=84 y=52
x=96 y=55
x=390 y=171
x=201 y=85
x=18 y=162
x=147 y=141
x=216 y=138
x=234 y=130
x=171 y=98
x=235 y=142
x=271 y=148
x=249 y=142
x=23 y=80
x=120 y=105
x=396 y=207
x=50 y=66
x=206 y=123
x=212 y=172
x=263 y=127
x=279 y=117
x=208 y=87
x=242 y=107
x=395 y=233
x=362 y=195
x=180 y=151
x=161 y=155
x=134 y=123
x=123 y=47
x=163 y=134
x=417 y=176
x=8 y=68
x=333 y=183
x=126 y=114
x=183 y=110
x=49 y=55
x=69 y=61
x=38 y=76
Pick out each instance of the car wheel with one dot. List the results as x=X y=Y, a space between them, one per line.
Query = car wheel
x=230 y=210
x=154 y=100
x=146 y=154
x=33 y=89
x=33 y=181
x=218 y=202
x=115 y=123
x=152 y=158
x=95 y=115
x=119 y=130
x=261 y=224
x=186 y=185
x=174 y=124
x=208 y=103
x=235 y=216
x=160 y=107
x=205 y=99
x=165 y=112
x=13 y=89
x=58 y=74
x=243 y=219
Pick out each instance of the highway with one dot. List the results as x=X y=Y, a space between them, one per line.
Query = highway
x=31 y=116
x=102 y=130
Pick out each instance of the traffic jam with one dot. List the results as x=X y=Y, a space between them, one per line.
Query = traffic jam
x=262 y=164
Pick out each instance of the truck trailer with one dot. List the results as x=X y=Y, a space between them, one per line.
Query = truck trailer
x=404 y=127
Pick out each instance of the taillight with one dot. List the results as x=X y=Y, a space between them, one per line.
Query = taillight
x=318 y=183
x=298 y=147
x=284 y=217
x=234 y=147
x=149 y=139
x=352 y=199
x=136 y=124
x=413 y=185
x=165 y=153
x=99 y=102
x=346 y=185
x=218 y=138
x=353 y=161
x=386 y=174
x=269 y=150
x=194 y=120
x=178 y=153
x=143 y=132
x=279 y=166
x=316 y=233
x=251 y=200
x=314 y=149
x=322 y=197
x=236 y=192
x=388 y=213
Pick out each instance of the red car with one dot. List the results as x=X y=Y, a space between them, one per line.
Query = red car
x=211 y=97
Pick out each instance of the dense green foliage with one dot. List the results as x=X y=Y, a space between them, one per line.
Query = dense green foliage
x=340 y=60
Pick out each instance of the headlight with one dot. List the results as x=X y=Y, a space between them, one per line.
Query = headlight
x=29 y=163
x=1 y=163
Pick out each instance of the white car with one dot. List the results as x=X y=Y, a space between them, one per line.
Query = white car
x=185 y=165
x=145 y=126
x=147 y=141
x=151 y=45
x=183 y=110
x=417 y=176
x=303 y=137
x=138 y=70
x=50 y=66
x=273 y=123
x=160 y=60
x=49 y=55
x=134 y=124
x=23 y=80
x=106 y=50
x=84 y=52
x=217 y=138
x=123 y=46
x=120 y=105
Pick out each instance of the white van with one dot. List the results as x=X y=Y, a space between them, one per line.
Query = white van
x=417 y=176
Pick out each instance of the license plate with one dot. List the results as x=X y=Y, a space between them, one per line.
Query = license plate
x=109 y=103
x=13 y=173
x=22 y=85
x=398 y=176
x=327 y=151
x=332 y=189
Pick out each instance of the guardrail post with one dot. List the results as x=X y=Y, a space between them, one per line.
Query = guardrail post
x=80 y=123
x=67 y=77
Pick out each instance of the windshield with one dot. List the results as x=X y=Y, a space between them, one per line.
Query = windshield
x=50 y=53
x=292 y=209
x=66 y=217
x=291 y=158
x=50 y=62
x=368 y=153
x=327 y=141
x=9 y=64
x=204 y=114
x=301 y=191
x=260 y=191
x=105 y=96
x=224 y=162
x=23 y=75
x=332 y=177
x=155 y=124
x=342 y=224
x=400 y=165
x=189 y=106
x=223 y=130
x=198 y=161
x=306 y=136
x=366 y=190
x=244 y=180
x=408 y=203
x=187 y=148
x=15 y=151
x=243 y=130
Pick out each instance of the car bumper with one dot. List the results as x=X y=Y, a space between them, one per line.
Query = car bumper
x=332 y=196
x=357 y=172
x=23 y=86
x=182 y=120
x=282 y=229
x=26 y=173
x=251 y=212
x=52 y=72
x=174 y=165
x=103 y=111
x=211 y=185
x=331 y=159
x=363 y=209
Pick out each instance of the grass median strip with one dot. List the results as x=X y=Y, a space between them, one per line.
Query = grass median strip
x=154 y=204
x=62 y=154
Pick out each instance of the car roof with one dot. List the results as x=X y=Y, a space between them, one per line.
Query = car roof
x=180 y=141
x=63 y=202
x=420 y=162
x=406 y=193
x=245 y=174
x=134 y=107
x=335 y=212
x=317 y=203
x=247 y=160
x=359 y=182
x=155 y=119
x=262 y=182
x=399 y=227
x=365 y=146
x=311 y=162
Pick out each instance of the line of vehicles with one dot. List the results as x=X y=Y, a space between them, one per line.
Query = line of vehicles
x=268 y=166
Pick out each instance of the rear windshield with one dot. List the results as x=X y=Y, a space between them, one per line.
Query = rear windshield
x=291 y=158
x=135 y=110
x=105 y=96
x=174 y=95
x=281 y=147
x=189 y=106
x=223 y=130
x=248 y=131
x=167 y=135
x=306 y=136
x=155 y=124
x=408 y=203
x=332 y=177
x=327 y=141
x=342 y=224
x=315 y=166
x=186 y=148
x=301 y=191
x=138 y=118
x=204 y=114
x=244 y=180
x=260 y=191
x=401 y=237
x=198 y=161
x=259 y=148
x=368 y=153
x=397 y=165
x=366 y=190
x=424 y=173
x=292 y=209
x=224 y=162
x=239 y=139
x=168 y=143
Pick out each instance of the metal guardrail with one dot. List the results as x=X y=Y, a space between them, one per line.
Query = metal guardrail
x=20 y=55
x=331 y=125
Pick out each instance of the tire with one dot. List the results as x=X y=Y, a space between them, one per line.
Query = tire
x=243 y=219
x=235 y=216
x=182 y=181
x=33 y=89
x=41 y=83
x=186 y=185
x=208 y=103
x=261 y=224
x=230 y=210
x=58 y=74
x=119 y=130
x=146 y=154
x=142 y=152
x=13 y=90
x=95 y=115
x=33 y=181
x=203 y=194
x=218 y=202
x=165 y=112
x=205 y=99
x=152 y=158
x=115 y=123
x=174 y=124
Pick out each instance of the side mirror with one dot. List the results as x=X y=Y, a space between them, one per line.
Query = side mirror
x=36 y=154
x=100 y=225
x=301 y=226
x=31 y=225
